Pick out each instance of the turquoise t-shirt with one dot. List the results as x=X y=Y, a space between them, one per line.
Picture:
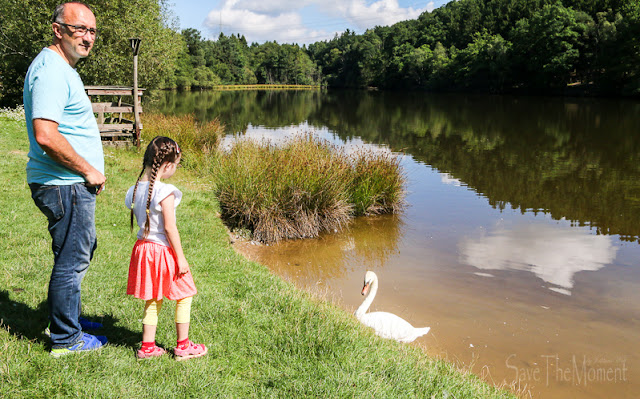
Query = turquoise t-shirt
x=54 y=91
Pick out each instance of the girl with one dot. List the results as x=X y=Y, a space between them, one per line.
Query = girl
x=158 y=267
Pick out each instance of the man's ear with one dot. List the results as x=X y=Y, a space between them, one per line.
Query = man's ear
x=57 y=30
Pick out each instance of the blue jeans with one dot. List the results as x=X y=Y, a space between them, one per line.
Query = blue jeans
x=71 y=214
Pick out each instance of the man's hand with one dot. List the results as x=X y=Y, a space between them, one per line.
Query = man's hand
x=95 y=179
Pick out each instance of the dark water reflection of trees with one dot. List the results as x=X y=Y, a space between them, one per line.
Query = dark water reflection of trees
x=577 y=159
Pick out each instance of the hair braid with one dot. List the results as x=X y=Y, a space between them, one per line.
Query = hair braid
x=158 y=160
x=133 y=198
x=159 y=151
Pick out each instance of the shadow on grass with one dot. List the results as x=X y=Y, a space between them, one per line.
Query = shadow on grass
x=25 y=322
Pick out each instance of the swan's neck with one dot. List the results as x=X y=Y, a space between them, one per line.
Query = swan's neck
x=368 y=299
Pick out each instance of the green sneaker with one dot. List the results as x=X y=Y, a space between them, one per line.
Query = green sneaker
x=87 y=343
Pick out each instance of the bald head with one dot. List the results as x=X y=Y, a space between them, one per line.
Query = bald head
x=58 y=13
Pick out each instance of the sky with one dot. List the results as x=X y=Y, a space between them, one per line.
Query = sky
x=294 y=21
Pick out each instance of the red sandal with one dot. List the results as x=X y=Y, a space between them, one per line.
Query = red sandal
x=156 y=351
x=190 y=352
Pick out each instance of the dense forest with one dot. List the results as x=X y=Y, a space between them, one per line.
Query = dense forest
x=468 y=45
x=539 y=46
x=230 y=60
x=495 y=46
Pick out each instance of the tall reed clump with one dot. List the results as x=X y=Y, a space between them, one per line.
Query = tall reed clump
x=300 y=189
x=197 y=140
x=377 y=183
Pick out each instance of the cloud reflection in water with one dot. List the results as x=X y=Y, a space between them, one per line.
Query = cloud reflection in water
x=448 y=179
x=281 y=135
x=554 y=253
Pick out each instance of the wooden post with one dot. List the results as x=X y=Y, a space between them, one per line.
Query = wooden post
x=135 y=46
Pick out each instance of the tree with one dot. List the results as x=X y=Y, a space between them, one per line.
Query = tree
x=484 y=63
x=195 y=48
x=440 y=62
x=182 y=78
x=264 y=62
x=18 y=46
x=230 y=58
x=371 y=61
x=120 y=20
x=546 y=46
x=618 y=52
x=204 y=78
x=26 y=29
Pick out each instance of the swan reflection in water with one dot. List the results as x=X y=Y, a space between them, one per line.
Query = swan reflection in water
x=386 y=325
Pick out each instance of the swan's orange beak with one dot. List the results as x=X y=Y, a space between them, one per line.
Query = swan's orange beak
x=365 y=289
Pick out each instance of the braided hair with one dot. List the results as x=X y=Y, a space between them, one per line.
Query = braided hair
x=159 y=151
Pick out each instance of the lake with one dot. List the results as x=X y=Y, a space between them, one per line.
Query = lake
x=519 y=244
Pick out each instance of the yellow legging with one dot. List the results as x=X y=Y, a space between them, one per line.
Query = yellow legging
x=152 y=308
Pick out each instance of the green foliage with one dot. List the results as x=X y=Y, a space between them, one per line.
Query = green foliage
x=26 y=29
x=495 y=46
x=479 y=45
x=546 y=46
x=110 y=62
x=232 y=61
x=618 y=49
x=204 y=77
x=484 y=63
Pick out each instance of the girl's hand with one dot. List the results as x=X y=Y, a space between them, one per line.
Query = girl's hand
x=169 y=215
x=183 y=265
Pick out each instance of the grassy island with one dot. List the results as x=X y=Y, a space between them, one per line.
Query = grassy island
x=266 y=338
x=297 y=189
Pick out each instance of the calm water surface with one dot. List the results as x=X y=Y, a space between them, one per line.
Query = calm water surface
x=519 y=245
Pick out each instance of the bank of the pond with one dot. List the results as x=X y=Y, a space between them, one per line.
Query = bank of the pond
x=256 y=87
x=266 y=338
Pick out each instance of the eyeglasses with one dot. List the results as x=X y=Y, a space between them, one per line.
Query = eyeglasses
x=80 y=30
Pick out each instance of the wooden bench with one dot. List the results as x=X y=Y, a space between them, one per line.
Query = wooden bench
x=119 y=122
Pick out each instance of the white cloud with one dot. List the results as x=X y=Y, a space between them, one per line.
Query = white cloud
x=304 y=21
x=255 y=25
x=267 y=7
x=258 y=26
x=379 y=13
x=554 y=253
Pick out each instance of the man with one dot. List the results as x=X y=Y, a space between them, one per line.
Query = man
x=65 y=170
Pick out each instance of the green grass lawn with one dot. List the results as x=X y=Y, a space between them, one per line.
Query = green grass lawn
x=266 y=338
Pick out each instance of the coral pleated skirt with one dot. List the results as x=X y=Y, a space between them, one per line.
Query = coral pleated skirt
x=153 y=273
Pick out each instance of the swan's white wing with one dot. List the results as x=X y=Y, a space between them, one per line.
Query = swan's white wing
x=388 y=325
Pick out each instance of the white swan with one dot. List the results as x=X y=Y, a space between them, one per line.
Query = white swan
x=386 y=325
